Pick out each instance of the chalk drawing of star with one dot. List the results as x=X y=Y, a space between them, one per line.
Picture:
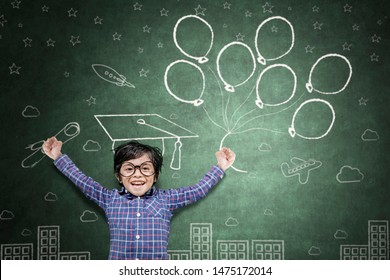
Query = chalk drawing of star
x=347 y=47
x=374 y=57
x=248 y=14
x=355 y=27
x=98 y=20
x=143 y=73
x=75 y=40
x=146 y=29
x=200 y=11
x=66 y=74
x=14 y=69
x=363 y=102
x=2 y=20
x=316 y=9
x=140 y=50
x=16 y=4
x=226 y=5
x=50 y=42
x=72 y=13
x=137 y=6
x=274 y=29
x=347 y=8
x=375 y=38
x=27 y=42
x=240 y=37
x=164 y=13
x=267 y=8
x=160 y=45
x=309 y=49
x=317 y=25
x=91 y=101
x=45 y=9
x=116 y=36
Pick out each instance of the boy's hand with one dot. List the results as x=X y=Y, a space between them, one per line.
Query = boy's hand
x=52 y=148
x=225 y=158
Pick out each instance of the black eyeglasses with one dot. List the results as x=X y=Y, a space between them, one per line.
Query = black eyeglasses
x=128 y=169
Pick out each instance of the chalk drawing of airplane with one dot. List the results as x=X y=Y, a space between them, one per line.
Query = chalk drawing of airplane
x=300 y=168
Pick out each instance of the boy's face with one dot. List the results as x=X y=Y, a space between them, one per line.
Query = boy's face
x=137 y=184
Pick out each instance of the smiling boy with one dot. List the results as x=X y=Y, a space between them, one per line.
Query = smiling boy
x=139 y=214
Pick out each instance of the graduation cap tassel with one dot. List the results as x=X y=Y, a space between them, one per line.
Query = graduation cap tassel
x=176 y=157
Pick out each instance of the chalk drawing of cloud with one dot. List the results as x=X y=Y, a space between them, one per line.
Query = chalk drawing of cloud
x=91 y=146
x=30 y=112
x=231 y=222
x=314 y=251
x=6 y=215
x=340 y=234
x=370 y=135
x=51 y=197
x=348 y=174
x=88 y=217
x=264 y=147
x=26 y=232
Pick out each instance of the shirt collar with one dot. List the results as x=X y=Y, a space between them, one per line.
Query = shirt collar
x=130 y=196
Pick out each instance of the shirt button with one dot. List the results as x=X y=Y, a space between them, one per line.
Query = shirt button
x=137 y=236
x=138 y=214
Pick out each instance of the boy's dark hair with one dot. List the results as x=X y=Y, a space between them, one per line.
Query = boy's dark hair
x=133 y=150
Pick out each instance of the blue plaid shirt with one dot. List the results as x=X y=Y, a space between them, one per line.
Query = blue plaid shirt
x=139 y=226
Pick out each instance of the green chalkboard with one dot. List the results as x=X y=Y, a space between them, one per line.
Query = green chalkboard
x=298 y=89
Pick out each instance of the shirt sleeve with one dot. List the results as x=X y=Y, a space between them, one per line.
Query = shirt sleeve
x=91 y=189
x=186 y=195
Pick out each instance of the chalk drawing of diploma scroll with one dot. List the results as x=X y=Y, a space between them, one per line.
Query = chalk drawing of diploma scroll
x=229 y=87
x=300 y=168
x=261 y=59
x=309 y=85
x=142 y=127
x=202 y=59
x=196 y=102
x=110 y=75
x=259 y=102
x=292 y=130
x=70 y=131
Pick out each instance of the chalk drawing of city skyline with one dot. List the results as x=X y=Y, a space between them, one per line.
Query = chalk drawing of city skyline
x=48 y=248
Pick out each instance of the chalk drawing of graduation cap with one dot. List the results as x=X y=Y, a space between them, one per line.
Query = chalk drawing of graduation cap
x=127 y=127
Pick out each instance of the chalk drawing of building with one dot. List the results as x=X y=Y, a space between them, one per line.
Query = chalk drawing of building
x=17 y=251
x=201 y=241
x=201 y=247
x=48 y=248
x=232 y=249
x=377 y=247
x=267 y=249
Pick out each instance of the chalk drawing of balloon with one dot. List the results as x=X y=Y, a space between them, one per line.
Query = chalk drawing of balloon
x=228 y=86
x=259 y=102
x=313 y=114
x=176 y=64
x=200 y=59
x=309 y=85
x=260 y=57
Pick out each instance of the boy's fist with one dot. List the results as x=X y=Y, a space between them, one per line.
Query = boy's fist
x=52 y=148
x=225 y=158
